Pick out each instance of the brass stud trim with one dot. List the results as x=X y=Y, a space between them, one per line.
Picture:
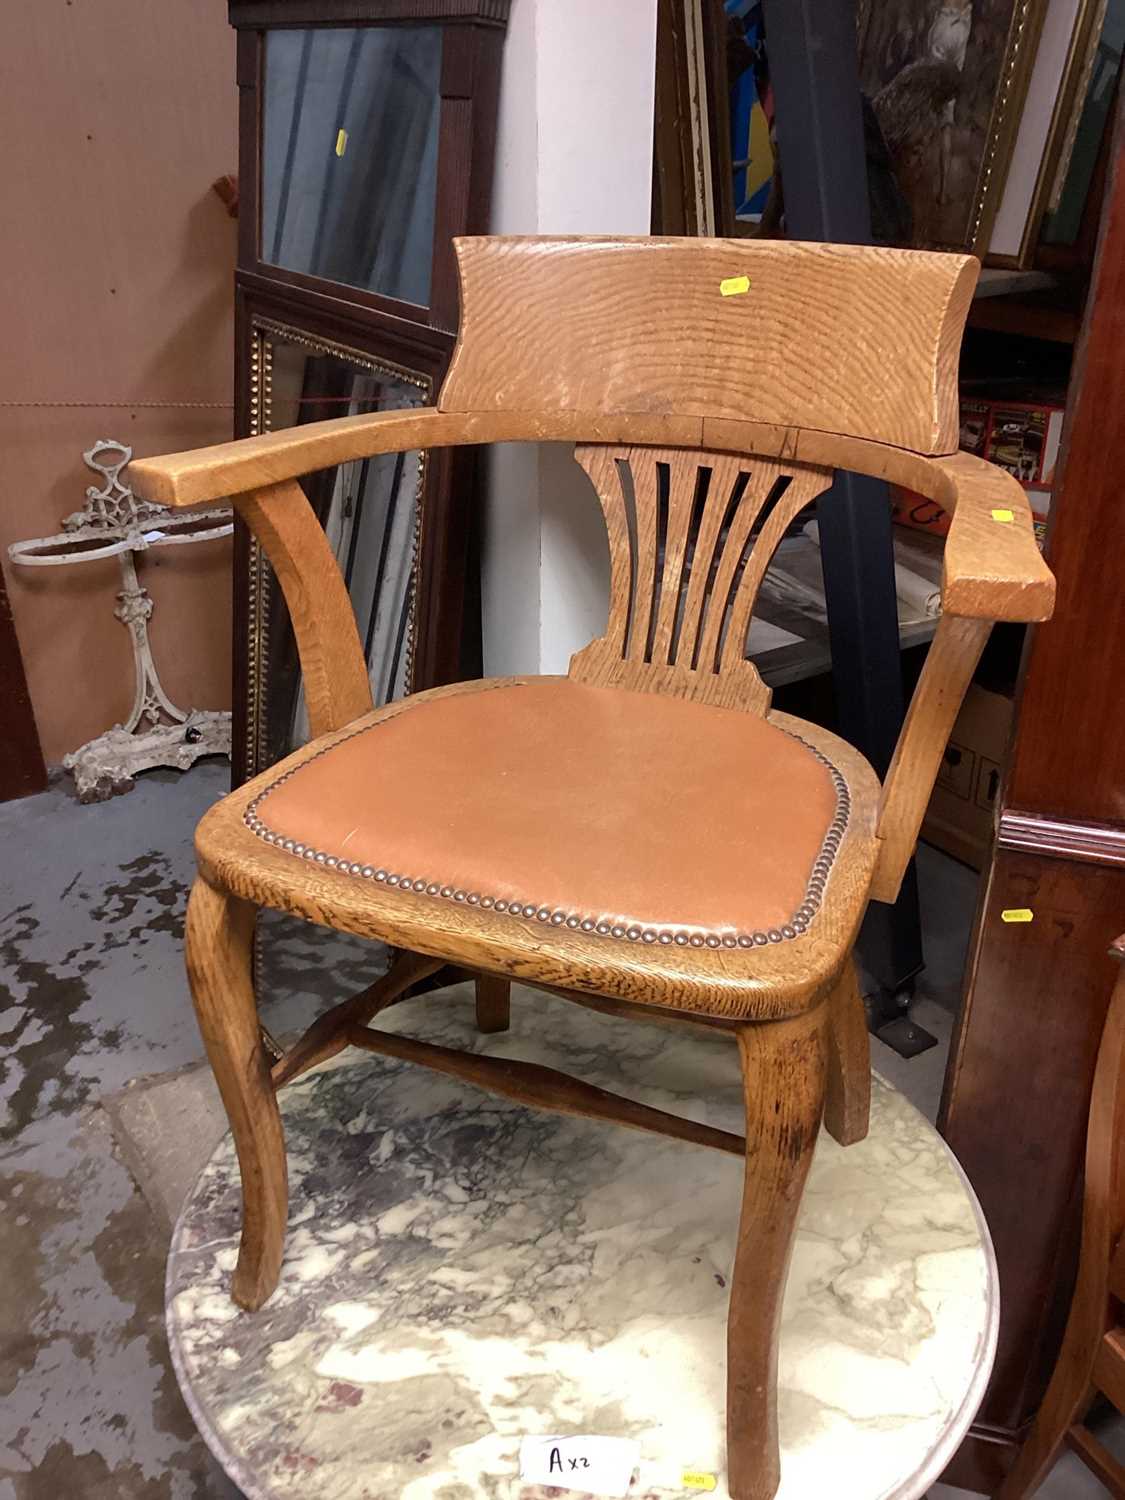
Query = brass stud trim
x=430 y=887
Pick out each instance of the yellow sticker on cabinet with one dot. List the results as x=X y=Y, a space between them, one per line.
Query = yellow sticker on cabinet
x=734 y=285
x=695 y=1479
x=342 y=146
x=1005 y=517
x=1017 y=914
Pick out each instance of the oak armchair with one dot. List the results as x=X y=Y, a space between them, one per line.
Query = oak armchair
x=643 y=835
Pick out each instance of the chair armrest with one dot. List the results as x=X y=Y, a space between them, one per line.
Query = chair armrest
x=254 y=463
x=993 y=569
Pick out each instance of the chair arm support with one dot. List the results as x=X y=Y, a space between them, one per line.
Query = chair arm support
x=337 y=688
x=949 y=668
x=992 y=571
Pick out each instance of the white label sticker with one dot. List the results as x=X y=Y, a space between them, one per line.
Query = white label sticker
x=593 y=1465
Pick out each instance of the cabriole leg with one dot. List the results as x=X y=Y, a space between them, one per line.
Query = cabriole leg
x=218 y=942
x=783 y=1079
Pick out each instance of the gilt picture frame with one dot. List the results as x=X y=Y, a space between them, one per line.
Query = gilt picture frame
x=947 y=81
x=365 y=514
x=1055 y=95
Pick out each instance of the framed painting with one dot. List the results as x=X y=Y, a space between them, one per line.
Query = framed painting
x=946 y=80
x=1064 y=67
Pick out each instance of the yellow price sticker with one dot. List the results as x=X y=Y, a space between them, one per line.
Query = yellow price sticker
x=733 y=286
x=1005 y=517
x=695 y=1479
x=1017 y=914
x=342 y=146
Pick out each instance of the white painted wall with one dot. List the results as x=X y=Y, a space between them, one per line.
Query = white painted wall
x=574 y=156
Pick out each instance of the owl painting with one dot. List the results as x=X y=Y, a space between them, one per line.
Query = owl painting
x=932 y=72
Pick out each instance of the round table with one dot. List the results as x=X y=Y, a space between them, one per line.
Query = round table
x=461 y=1272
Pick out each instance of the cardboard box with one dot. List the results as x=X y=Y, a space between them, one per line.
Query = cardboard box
x=960 y=817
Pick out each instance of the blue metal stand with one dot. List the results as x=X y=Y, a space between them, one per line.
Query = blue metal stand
x=814 y=70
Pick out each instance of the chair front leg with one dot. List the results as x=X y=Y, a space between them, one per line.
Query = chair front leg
x=783 y=1080
x=218 y=945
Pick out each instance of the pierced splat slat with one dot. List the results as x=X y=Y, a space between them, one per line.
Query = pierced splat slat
x=686 y=480
x=691 y=534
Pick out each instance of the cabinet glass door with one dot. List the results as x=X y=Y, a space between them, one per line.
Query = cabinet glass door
x=371 y=511
x=349 y=155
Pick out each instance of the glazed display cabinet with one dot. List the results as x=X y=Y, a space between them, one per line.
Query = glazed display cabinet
x=366 y=137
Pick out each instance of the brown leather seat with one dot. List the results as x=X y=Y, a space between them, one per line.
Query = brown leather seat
x=631 y=818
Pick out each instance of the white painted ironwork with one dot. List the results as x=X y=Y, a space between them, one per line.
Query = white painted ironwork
x=114 y=523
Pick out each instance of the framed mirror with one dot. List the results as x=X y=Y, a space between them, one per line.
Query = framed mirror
x=349 y=155
x=367 y=135
x=372 y=512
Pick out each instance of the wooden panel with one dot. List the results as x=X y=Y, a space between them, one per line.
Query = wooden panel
x=1018 y=1088
x=1018 y=1091
x=22 y=771
x=982 y=1461
x=839 y=338
x=1109 y=1367
x=1074 y=669
x=117 y=260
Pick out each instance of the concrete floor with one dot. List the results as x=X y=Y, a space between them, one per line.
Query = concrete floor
x=93 y=996
x=105 y=1115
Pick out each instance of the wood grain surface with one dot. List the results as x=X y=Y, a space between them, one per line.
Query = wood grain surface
x=333 y=669
x=1093 y=1348
x=840 y=338
x=992 y=569
x=783 y=1074
x=1017 y=1092
x=544 y=1088
x=217 y=946
x=948 y=670
x=691 y=534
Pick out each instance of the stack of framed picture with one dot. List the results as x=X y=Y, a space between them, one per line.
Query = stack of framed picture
x=985 y=121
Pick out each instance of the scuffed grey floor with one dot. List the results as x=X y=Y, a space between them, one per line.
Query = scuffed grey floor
x=105 y=1116
x=93 y=996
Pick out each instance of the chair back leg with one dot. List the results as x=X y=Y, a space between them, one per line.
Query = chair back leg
x=847 y=1104
x=493 y=1003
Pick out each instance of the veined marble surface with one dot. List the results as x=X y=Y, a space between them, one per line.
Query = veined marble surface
x=461 y=1272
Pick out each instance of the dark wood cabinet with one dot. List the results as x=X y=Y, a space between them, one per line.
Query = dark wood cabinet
x=367 y=132
x=1018 y=1088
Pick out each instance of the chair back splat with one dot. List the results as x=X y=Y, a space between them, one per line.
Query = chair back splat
x=690 y=537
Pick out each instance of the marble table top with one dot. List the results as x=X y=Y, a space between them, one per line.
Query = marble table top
x=461 y=1272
